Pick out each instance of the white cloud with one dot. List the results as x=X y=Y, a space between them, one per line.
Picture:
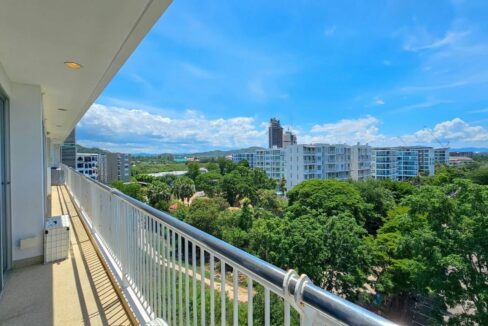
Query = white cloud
x=379 y=101
x=423 y=41
x=456 y=131
x=485 y=110
x=191 y=131
x=364 y=130
x=138 y=131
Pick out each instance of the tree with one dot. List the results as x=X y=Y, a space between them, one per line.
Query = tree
x=132 y=189
x=159 y=195
x=225 y=165
x=379 y=201
x=330 y=250
x=204 y=212
x=183 y=188
x=326 y=197
x=437 y=246
x=210 y=183
x=193 y=170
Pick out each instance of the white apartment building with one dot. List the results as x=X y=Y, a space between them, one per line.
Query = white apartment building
x=403 y=162
x=441 y=155
x=360 y=162
x=56 y=57
x=87 y=164
x=326 y=161
x=248 y=156
x=272 y=161
x=384 y=163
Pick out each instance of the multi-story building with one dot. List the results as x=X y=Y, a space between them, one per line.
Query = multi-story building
x=41 y=101
x=114 y=167
x=426 y=159
x=402 y=163
x=289 y=139
x=360 y=162
x=384 y=163
x=441 y=155
x=407 y=164
x=248 y=156
x=275 y=133
x=326 y=161
x=272 y=161
x=68 y=150
x=87 y=164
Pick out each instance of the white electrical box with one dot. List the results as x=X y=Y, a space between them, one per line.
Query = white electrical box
x=56 y=238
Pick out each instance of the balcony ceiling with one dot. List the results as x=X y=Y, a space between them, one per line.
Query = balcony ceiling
x=37 y=37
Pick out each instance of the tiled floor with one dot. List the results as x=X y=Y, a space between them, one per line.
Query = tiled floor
x=75 y=291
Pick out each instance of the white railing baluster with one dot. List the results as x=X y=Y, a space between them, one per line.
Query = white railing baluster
x=222 y=292
x=212 y=290
x=146 y=248
x=187 y=285
x=236 y=296
x=202 y=285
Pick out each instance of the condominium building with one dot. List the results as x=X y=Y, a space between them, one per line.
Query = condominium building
x=441 y=155
x=426 y=159
x=289 y=139
x=360 y=162
x=275 y=133
x=248 y=156
x=384 y=163
x=56 y=58
x=326 y=161
x=407 y=164
x=114 y=167
x=87 y=164
x=402 y=163
x=272 y=161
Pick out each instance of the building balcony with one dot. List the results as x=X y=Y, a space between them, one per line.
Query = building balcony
x=132 y=264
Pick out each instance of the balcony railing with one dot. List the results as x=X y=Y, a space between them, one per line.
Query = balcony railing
x=172 y=271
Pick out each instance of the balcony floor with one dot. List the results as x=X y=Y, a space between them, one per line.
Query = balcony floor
x=75 y=291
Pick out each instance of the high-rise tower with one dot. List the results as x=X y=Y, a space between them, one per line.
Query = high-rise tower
x=275 y=133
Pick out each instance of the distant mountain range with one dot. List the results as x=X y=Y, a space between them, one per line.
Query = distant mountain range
x=221 y=153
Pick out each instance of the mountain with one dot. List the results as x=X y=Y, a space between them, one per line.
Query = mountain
x=94 y=150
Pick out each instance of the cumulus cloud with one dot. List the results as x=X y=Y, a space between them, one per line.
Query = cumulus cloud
x=138 y=131
x=456 y=132
x=364 y=130
x=191 y=131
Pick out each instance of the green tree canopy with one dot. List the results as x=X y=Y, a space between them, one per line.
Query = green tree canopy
x=183 y=188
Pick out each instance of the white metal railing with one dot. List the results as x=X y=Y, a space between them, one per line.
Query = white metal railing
x=177 y=273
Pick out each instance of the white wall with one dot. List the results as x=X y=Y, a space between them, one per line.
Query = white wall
x=28 y=192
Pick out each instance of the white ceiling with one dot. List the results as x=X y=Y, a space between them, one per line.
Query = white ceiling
x=37 y=37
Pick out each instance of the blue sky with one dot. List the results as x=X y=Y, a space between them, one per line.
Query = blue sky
x=210 y=74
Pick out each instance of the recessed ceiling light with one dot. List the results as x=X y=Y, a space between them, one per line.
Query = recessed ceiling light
x=72 y=65
x=61 y=109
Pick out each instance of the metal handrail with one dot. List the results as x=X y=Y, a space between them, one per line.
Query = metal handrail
x=298 y=287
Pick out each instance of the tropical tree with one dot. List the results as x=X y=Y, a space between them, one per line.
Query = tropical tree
x=210 y=183
x=183 y=188
x=159 y=195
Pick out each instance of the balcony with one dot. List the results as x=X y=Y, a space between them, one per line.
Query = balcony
x=75 y=291
x=130 y=263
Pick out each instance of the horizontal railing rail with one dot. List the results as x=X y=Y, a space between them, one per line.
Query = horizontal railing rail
x=162 y=260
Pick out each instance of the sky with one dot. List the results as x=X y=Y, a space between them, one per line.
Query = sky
x=210 y=75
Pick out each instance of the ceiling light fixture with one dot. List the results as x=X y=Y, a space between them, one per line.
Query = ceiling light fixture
x=72 y=65
x=59 y=126
x=61 y=109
